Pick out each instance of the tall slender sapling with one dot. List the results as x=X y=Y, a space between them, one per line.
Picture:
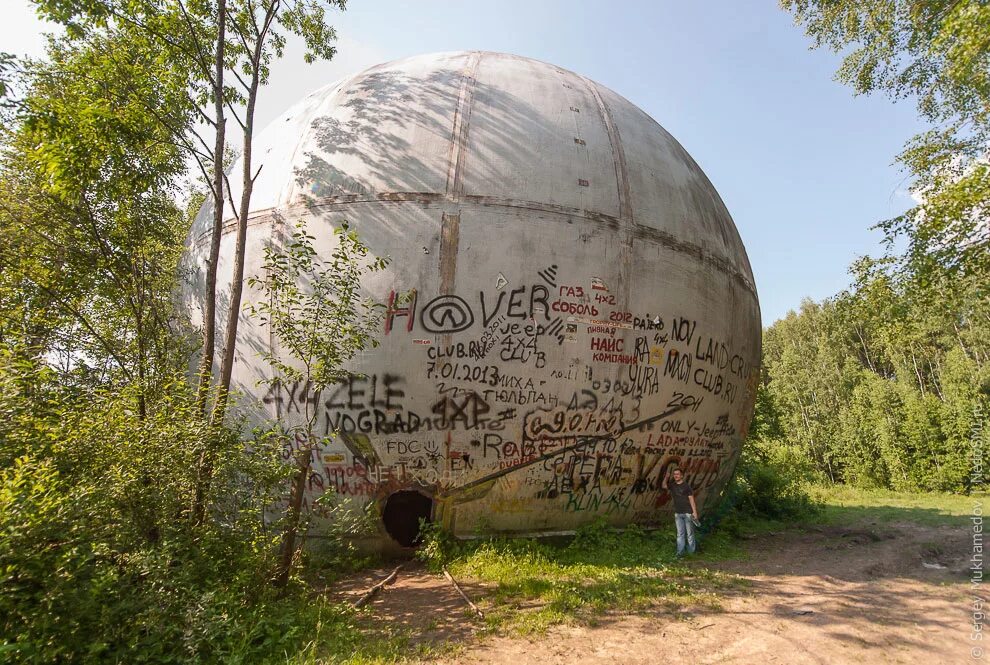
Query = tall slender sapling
x=314 y=307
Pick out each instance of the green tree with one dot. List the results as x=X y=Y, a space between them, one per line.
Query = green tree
x=91 y=234
x=221 y=53
x=804 y=359
x=897 y=363
x=97 y=563
x=314 y=308
x=255 y=26
x=102 y=442
x=936 y=53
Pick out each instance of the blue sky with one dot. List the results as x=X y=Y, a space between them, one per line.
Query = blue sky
x=804 y=167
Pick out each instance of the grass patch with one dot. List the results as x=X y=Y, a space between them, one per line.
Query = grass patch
x=326 y=561
x=841 y=504
x=537 y=584
x=338 y=633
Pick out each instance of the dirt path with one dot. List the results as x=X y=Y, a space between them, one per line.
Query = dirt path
x=829 y=595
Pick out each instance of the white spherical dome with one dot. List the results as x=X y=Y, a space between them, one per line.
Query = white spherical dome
x=585 y=315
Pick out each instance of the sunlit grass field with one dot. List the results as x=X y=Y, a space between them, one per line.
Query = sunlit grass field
x=534 y=584
x=530 y=585
x=841 y=503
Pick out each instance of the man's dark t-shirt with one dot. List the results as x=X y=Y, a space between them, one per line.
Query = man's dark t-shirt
x=680 y=492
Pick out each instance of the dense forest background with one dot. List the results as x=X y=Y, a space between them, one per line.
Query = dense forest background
x=886 y=384
x=130 y=508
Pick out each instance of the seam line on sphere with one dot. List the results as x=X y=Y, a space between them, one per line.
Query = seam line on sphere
x=459 y=130
x=618 y=153
x=663 y=238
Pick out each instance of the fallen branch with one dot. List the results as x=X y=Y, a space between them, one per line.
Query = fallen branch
x=463 y=595
x=370 y=593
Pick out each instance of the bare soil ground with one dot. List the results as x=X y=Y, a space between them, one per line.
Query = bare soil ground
x=820 y=595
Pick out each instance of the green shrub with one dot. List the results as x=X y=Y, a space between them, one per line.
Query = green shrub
x=99 y=561
x=438 y=546
x=770 y=482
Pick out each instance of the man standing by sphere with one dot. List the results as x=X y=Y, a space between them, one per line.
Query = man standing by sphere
x=685 y=511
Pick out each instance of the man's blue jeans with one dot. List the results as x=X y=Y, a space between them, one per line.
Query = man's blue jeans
x=685 y=531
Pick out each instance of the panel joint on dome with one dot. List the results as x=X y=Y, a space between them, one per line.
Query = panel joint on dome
x=618 y=154
x=459 y=131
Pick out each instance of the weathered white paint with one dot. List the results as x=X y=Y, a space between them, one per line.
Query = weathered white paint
x=567 y=210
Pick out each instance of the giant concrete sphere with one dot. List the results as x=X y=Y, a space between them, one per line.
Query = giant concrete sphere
x=579 y=314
